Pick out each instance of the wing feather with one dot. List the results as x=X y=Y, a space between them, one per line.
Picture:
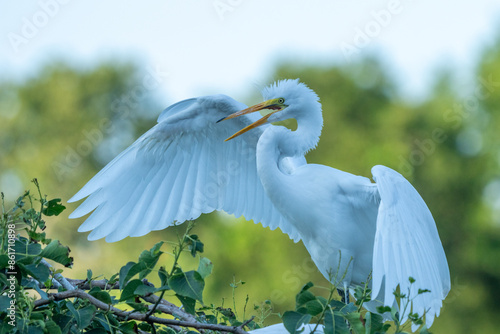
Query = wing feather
x=178 y=170
x=407 y=244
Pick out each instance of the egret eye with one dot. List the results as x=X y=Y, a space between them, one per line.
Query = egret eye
x=281 y=100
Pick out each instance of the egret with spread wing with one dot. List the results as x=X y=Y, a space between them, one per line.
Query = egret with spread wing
x=191 y=163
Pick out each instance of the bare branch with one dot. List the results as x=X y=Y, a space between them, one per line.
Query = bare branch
x=169 y=308
x=246 y=322
x=135 y=315
x=86 y=285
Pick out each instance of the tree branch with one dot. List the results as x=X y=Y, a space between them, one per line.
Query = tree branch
x=169 y=308
x=135 y=315
x=58 y=277
x=166 y=307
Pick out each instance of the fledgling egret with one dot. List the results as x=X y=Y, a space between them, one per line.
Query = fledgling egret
x=183 y=167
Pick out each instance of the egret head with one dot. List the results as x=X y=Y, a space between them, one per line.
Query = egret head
x=286 y=99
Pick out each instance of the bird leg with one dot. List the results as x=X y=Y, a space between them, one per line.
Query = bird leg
x=344 y=295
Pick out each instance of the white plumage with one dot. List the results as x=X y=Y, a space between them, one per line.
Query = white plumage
x=280 y=329
x=182 y=168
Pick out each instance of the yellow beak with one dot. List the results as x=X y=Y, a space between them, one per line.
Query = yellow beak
x=269 y=104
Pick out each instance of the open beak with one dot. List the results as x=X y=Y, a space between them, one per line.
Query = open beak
x=274 y=105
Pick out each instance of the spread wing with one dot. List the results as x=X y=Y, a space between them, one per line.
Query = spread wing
x=178 y=170
x=407 y=245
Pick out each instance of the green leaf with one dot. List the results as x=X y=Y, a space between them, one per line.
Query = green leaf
x=105 y=321
x=4 y=261
x=85 y=316
x=34 y=330
x=124 y=274
x=195 y=245
x=329 y=322
x=37 y=316
x=294 y=320
x=340 y=324
x=63 y=321
x=58 y=253
x=188 y=284
x=129 y=327
x=52 y=328
x=374 y=323
x=129 y=289
x=101 y=295
x=38 y=237
x=336 y=305
x=383 y=309
x=188 y=303
x=139 y=307
x=135 y=269
x=162 y=273
x=205 y=267
x=149 y=259
x=33 y=285
x=4 y=303
x=395 y=315
x=98 y=330
x=144 y=289
x=23 y=248
x=349 y=308
x=307 y=286
x=314 y=307
x=89 y=275
x=355 y=322
x=53 y=207
x=304 y=297
x=145 y=327
x=3 y=280
x=38 y=271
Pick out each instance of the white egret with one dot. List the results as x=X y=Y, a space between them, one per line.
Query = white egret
x=280 y=329
x=183 y=167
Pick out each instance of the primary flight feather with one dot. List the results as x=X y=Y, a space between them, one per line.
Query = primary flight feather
x=214 y=153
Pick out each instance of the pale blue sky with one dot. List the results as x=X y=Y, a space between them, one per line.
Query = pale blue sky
x=231 y=46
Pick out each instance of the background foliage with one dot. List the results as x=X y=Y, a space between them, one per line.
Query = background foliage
x=65 y=123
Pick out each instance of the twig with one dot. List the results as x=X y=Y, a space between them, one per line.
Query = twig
x=58 y=277
x=247 y=322
x=169 y=308
x=133 y=314
x=83 y=284
x=86 y=285
x=55 y=284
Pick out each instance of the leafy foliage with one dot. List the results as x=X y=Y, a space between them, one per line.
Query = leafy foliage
x=97 y=308
x=127 y=301
x=337 y=317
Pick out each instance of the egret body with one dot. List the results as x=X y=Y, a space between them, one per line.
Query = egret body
x=214 y=153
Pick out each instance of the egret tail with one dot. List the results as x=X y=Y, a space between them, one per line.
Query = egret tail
x=407 y=245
